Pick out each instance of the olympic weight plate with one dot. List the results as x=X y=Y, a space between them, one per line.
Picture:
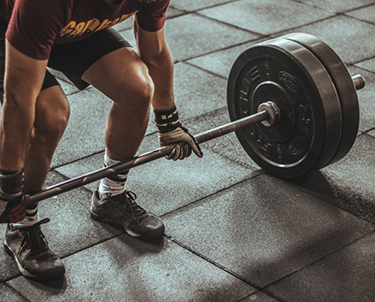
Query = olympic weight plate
x=309 y=131
x=344 y=86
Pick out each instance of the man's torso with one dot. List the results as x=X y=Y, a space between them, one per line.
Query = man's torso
x=33 y=29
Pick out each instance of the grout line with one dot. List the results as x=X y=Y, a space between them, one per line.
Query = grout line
x=211 y=261
x=15 y=290
x=203 y=8
x=318 y=260
x=202 y=199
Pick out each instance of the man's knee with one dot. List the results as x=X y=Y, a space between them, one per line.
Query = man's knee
x=52 y=115
x=145 y=90
x=139 y=94
x=55 y=125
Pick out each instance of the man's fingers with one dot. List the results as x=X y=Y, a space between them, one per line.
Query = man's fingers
x=185 y=143
x=194 y=146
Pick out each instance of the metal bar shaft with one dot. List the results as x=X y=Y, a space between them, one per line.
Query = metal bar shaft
x=144 y=158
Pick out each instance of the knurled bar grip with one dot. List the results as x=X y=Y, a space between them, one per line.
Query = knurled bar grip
x=144 y=158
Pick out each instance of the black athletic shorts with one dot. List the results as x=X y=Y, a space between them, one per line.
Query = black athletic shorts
x=72 y=59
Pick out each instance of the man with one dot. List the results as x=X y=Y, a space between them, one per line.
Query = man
x=74 y=37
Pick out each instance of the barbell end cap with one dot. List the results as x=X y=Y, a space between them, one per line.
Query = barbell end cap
x=359 y=81
x=273 y=111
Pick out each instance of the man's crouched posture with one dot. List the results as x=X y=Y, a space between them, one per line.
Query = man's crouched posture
x=74 y=37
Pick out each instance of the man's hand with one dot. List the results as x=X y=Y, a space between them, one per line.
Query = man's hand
x=13 y=210
x=185 y=143
x=171 y=131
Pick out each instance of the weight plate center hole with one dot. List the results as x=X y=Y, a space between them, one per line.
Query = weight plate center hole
x=272 y=97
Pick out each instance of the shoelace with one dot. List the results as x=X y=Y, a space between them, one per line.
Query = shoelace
x=33 y=238
x=132 y=206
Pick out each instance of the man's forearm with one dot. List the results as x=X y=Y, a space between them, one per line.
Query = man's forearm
x=162 y=76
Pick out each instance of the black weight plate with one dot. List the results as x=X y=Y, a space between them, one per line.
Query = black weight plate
x=308 y=134
x=344 y=86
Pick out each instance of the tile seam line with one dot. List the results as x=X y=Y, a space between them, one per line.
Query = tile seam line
x=316 y=261
x=345 y=14
x=186 y=60
x=311 y=193
x=15 y=290
x=366 y=132
x=270 y=35
x=203 y=69
x=295 y=29
x=203 y=8
x=202 y=199
x=53 y=168
x=363 y=68
x=89 y=88
x=216 y=264
x=337 y=12
x=357 y=8
x=260 y=35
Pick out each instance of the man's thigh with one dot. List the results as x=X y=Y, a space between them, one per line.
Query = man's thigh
x=121 y=75
x=73 y=59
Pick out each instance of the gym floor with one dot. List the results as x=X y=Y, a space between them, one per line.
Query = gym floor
x=233 y=232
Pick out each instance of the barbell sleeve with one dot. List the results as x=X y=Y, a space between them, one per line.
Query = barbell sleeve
x=359 y=81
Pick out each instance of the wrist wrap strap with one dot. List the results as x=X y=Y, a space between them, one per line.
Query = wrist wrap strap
x=11 y=184
x=167 y=120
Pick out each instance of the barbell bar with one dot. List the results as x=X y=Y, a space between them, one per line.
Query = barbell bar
x=67 y=185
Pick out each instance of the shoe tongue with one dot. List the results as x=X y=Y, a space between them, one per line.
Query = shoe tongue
x=29 y=224
x=137 y=209
x=34 y=238
x=43 y=221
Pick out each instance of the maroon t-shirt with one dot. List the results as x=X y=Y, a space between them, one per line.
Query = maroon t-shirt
x=35 y=25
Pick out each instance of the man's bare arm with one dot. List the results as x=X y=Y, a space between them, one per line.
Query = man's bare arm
x=155 y=52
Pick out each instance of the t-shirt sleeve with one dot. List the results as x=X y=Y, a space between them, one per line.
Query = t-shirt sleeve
x=32 y=28
x=152 y=16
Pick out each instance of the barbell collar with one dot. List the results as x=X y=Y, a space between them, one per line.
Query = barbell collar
x=273 y=111
x=85 y=179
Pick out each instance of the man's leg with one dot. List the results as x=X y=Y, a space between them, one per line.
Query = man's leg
x=33 y=257
x=52 y=114
x=123 y=77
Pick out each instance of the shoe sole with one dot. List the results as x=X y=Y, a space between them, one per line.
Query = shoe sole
x=108 y=220
x=127 y=230
x=24 y=272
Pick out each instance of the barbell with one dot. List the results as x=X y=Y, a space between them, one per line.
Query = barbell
x=292 y=104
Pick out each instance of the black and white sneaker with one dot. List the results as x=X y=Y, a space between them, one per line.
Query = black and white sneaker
x=124 y=211
x=30 y=250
